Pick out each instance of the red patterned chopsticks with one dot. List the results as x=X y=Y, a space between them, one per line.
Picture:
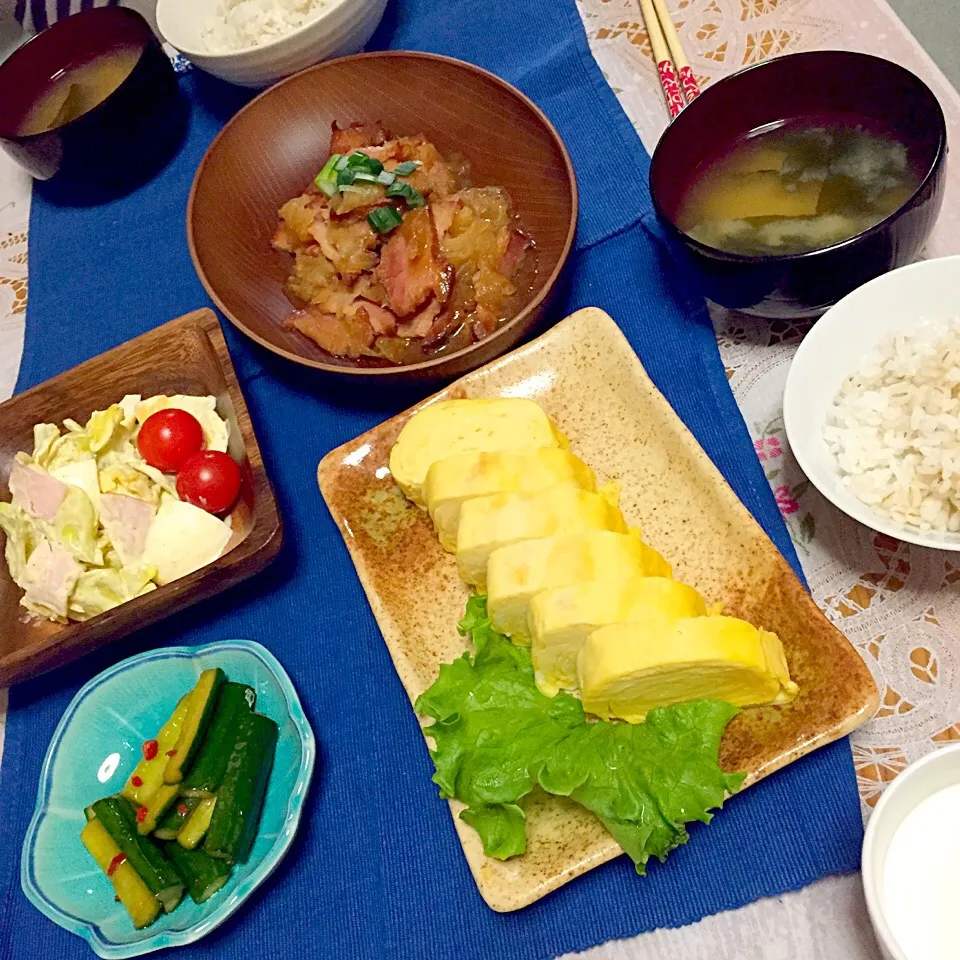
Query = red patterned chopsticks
x=676 y=76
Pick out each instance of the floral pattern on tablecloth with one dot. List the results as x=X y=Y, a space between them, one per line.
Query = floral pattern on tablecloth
x=13 y=265
x=14 y=219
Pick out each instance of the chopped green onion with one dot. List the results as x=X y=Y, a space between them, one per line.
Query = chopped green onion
x=329 y=166
x=346 y=176
x=326 y=179
x=406 y=168
x=341 y=162
x=413 y=197
x=360 y=176
x=384 y=219
x=386 y=177
x=360 y=161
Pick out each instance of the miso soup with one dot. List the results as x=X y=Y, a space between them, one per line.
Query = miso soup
x=79 y=88
x=800 y=186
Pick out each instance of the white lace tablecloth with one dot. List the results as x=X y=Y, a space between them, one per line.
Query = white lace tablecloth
x=899 y=605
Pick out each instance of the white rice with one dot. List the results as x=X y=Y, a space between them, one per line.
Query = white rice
x=247 y=23
x=894 y=428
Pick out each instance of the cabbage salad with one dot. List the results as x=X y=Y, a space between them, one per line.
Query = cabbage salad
x=91 y=524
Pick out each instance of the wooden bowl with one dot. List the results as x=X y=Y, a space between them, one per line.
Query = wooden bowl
x=188 y=355
x=274 y=147
x=801 y=85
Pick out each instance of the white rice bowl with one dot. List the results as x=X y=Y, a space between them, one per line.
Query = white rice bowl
x=256 y=42
x=239 y=24
x=894 y=429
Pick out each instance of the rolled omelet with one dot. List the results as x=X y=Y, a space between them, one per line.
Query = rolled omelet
x=562 y=618
x=517 y=573
x=452 y=427
x=454 y=480
x=489 y=523
x=627 y=669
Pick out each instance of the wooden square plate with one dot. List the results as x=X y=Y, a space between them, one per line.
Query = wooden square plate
x=187 y=355
x=586 y=376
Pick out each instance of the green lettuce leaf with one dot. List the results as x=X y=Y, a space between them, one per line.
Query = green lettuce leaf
x=22 y=536
x=51 y=450
x=102 y=432
x=497 y=738
x=102 y=426
x=75 y=527
x=102 y=589
x=502 y=826
x=44 y=437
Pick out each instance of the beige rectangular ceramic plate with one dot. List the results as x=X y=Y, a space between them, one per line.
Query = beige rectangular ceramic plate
x=587 y=377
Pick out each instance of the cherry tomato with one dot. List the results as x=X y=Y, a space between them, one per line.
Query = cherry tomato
x=209 y=480
x=169 y=438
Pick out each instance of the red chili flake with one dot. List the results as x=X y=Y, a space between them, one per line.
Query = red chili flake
x=115 y=862
x=171 y=753
x=150 y=748
x=136 y=781
x=182 y=809
x=142 y=814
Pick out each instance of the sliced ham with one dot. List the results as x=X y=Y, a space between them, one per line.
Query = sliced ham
x=442 y=274
x=393 y=271
x=516 y=247
x=50 y=576
x=485 y=321
x=392 y=150
x=356 y=137
x=343 y=336
x=126 y=521
x=443 y=213
x=358 y=197
x=348 y=246
x=283 y=241
x=434 y=175
x=36 y=491
x=411 y=268
x=384 y=323
x=422 y=323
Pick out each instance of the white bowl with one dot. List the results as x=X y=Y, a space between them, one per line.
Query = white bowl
x=933 y=773
x=836 y=346
x=342 y=28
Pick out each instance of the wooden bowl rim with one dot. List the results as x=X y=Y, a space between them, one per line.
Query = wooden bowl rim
x=424 y=365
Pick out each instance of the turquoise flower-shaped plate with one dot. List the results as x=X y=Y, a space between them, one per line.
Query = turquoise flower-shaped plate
x=95 y=748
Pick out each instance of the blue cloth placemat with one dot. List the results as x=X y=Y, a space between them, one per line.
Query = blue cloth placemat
x=376 y=870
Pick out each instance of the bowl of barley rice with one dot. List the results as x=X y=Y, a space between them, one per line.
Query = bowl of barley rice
x=872 y=404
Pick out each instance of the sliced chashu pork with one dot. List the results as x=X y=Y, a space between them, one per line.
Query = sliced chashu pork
x=347 y=335
x=356 y=136
x=411 y=268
